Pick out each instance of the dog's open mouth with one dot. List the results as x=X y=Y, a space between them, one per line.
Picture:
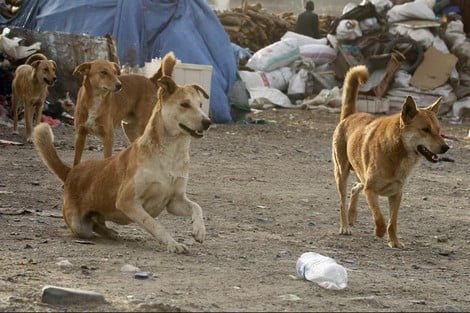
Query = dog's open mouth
x=49 y=82
x=431 y=157
x=194 y=133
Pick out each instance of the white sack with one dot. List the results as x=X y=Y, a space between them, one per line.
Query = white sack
x=348 y=30
x=274 y=56
x=320 y=54
x=278 y=79
x=417 y=10
x=301 y=40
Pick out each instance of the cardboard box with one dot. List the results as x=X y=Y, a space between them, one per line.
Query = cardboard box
x=372 y=104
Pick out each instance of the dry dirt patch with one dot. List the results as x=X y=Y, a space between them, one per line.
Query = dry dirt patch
x=268 y=195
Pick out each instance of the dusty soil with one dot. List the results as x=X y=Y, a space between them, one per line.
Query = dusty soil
x=268 y=195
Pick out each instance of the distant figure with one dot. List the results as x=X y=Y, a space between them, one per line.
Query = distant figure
x=307 y=22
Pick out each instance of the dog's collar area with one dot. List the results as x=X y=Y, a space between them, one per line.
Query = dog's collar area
x=194 y=133
x=431 y=157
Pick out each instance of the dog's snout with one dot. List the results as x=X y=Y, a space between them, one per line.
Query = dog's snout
x=206 y=123
x=444 y=148
x=118 y=86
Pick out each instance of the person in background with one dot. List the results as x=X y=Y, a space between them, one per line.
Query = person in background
x=307 y=21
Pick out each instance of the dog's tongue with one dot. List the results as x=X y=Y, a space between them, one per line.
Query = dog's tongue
x=431 y=157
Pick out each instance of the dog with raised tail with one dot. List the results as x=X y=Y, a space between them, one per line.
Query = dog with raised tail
x=382 y=151
x=138 y=183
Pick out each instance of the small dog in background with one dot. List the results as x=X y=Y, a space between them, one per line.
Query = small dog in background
x=138 y=183
x=30 y=89
x=382 y=152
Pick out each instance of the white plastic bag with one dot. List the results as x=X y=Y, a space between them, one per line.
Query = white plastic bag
x=297 y=82
x=264 y=98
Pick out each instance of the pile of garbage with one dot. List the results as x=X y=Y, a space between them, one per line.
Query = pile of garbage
x=416 y=48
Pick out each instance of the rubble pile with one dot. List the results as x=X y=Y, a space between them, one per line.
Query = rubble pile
x=413 y=47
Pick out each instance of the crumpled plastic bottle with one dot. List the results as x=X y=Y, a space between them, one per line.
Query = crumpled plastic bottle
x=322 y=270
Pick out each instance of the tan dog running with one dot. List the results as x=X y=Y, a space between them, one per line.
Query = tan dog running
x=107 y=98
x=30 y=89
x=382 y=152
x=138 y=183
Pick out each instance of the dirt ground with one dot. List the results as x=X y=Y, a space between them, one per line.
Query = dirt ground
x=268 y=195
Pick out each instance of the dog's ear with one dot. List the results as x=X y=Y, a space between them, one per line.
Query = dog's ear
x=117 y=68
x=435 y=106
x=201 y=90
x=409 y=110
x=167 y=84
x=54 y=65
x=82 y=68
x=36 y=63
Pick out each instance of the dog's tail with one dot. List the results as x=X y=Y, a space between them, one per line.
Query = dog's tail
x=166 y=67
x=43 y=140
x=35 y=57
x=354 y=78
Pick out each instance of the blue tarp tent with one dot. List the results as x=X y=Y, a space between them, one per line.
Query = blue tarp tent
x=145 y=29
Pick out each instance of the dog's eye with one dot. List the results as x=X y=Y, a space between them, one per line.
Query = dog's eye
x=104 y=73
x=426 y=129
x=185 y=105
x=200 y=105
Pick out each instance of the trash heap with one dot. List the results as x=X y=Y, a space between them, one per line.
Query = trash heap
x=416 y=48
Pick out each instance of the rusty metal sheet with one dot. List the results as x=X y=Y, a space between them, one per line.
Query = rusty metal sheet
x=68 y=50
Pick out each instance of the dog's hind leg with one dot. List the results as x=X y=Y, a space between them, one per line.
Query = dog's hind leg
x=182 y=206
x=352 y=211
x=28 y=120
x=373 y=202
x=341 y=170
x=99 y=227
x=394 y=204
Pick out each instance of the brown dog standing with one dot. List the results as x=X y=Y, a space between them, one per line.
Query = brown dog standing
x=382 y=152
x=30 y=89
x=138 y=183
x=107 y=98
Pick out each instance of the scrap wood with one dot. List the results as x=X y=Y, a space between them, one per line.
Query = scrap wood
x=4 y=143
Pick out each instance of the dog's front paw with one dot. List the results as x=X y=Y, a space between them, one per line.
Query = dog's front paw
x=395 y=244
x=345 y=231
x=29 y=140
x=175 y=247
x=199 y=231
